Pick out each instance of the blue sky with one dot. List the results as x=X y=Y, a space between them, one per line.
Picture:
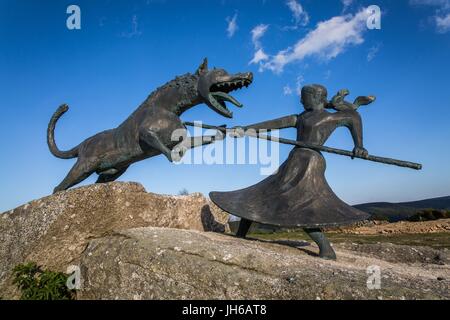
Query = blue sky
x=125 y=49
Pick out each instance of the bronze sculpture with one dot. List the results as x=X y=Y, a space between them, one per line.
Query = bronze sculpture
x=298 y=194
x=148 y=130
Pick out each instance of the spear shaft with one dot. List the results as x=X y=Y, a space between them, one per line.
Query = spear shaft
x=251 y=133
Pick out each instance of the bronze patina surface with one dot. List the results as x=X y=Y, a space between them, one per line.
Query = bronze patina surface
x=298 y=195
x=148 y=130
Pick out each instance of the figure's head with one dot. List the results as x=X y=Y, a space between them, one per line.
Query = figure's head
x=314 y=97
x=215 y=85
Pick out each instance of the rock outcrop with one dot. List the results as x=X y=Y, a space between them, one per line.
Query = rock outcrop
x=401 y=227
x=130 y=244
x=156 y=263
x=54 y=231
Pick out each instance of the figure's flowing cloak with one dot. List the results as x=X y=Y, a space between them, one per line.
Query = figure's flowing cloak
x=296 y=196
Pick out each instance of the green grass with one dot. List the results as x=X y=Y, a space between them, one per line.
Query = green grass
x=436 y=240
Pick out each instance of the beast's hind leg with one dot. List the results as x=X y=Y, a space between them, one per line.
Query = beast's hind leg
x=110 y=177
x=78 y=173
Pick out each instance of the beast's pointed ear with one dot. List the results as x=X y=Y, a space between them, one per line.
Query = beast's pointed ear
x=203 y=67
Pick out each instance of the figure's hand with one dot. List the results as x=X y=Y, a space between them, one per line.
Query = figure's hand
x=237 y=132
x=360 y=152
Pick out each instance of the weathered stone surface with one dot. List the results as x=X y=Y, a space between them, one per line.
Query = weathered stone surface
x=156 y=263
x=112 y=232
x=401 y=227
x=53 y=231
x=401 y=253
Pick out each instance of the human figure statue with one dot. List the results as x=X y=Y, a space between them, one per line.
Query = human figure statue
x=298 y=194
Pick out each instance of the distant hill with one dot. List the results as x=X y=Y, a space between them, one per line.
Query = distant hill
x=403 y=210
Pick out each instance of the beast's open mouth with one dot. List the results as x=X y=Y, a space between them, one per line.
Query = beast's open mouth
x=218 y=94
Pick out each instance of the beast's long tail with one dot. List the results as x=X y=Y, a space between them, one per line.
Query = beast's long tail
x=72 y=153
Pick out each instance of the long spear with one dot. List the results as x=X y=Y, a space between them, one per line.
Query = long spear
x=395 y=162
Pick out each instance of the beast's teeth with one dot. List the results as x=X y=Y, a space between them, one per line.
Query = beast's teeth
x=219 y=108
x=225 y=97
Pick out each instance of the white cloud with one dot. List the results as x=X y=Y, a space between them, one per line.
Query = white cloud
x=373 y=52
x=134 y=29
x=300 y=15
x=347 y=3
x=441 y=17
x=232 y=25
x=329 y=39
x=259 y=56
x=257 y=33
x=287 y=91
x=299 y=84
x=443 y=23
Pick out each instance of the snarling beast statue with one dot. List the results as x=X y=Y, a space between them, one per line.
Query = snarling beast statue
x=148 y=130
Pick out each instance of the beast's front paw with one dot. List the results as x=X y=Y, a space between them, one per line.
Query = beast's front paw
x=177 y=154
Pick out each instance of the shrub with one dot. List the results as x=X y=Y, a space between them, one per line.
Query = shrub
x=379 y=217
x=430 y=214
x=37 y=284
x=183 y=192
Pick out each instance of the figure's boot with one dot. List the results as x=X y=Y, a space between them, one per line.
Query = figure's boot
x=325 y=249
x=244 y=226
